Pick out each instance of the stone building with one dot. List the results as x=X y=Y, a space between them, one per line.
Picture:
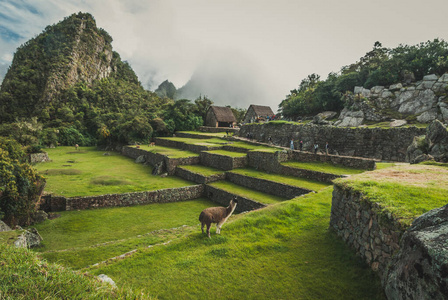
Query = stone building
x=219 y=116
x=257 y=113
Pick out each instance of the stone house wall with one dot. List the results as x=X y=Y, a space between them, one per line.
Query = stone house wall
x=223 y=198
x=375 y=236
x=376 y=143
x=267 y=186
x=126 y=199
x=222 y=162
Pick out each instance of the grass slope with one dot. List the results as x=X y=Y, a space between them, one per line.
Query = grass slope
x=406 y=191
x=203 y=170
x=170 y=152
x=282 y=252
x=24 y=276
x=88 y=172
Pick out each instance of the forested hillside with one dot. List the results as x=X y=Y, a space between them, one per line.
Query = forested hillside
x=68 y=86
x=379 y=67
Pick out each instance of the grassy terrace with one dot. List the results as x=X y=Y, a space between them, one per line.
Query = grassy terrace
x=77 y=238
x=291 y=180
x=282 y=252
x=203 y=170
x=246 y=192
x=205 y=142
x=211 y=134
x=324 y=167
x=407 y=191
x=88 y=172
x=170 y=152
x=248 y=146
x=227 y=153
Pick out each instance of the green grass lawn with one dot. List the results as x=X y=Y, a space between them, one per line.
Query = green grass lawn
x=227 y=153
x=88 y=172
x=324 y=167
x=203 y=170
x=246 y=192
x=291 y=180
x=211 y=141
x=248 y=146
x=406 y=191
x=282 y=252
x=170 y=152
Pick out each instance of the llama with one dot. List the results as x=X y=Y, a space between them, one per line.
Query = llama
x=218 y=215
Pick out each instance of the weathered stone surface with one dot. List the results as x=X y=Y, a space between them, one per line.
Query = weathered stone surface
x=29 y=239
x=40 y=216
x=351 y=119
x=422 y=158
x=140 y=160
x=376 y=89
x=432 y=77
x=38 y=157
x=359 y=90
x=398 y=123
x=428 y=116
x=4 y=227
x=105 y=278
x=386 y=93
x=419 y=269
x=437 y=139
x=444 y=78
x=425 y=100
x=395 y=87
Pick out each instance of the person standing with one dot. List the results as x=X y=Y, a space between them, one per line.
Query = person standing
x=301 y=145
x=292 y=144
x=316 y=147
x=327 y=148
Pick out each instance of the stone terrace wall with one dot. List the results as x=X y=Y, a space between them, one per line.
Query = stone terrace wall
x=309 y=174
x=126 y=199
x=222 y=162
x=267 y=186
x=184 y=146
x=154 y=158
x=218 y=129
x=267 y=161
x=384 y=144
x=223 y=198
x=198 y=178
x=357 y=221
x=347 y=161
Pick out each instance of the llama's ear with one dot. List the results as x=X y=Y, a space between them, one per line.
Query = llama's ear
x=235 y=199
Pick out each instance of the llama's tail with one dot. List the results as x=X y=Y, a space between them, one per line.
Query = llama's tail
x=201 y=216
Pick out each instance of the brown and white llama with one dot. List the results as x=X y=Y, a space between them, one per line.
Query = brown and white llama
x=218 y=215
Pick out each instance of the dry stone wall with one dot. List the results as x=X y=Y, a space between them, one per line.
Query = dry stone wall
x=218 y=129
x=309 y=174
x=267 y=186
x=223 y=198
x=222 y=162
x=375 y=236
x=126 y=199
x=376 y=143
x=198 y=178
x=169 y=164
x=357 y=163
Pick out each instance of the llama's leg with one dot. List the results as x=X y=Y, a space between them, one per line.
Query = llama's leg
x=218 y=227
x=208 y=229
x=202 y=227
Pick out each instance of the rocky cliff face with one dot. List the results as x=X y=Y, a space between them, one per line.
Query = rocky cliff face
x=423 y=101
x=433 y=145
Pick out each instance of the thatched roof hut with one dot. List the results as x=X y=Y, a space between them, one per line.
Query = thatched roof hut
x=257 y=112
x=219 y=116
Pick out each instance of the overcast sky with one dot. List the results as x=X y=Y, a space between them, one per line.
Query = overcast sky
x=266 y=47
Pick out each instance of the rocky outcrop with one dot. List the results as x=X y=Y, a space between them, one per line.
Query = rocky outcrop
x=424 y=101
x=4 y=227
x=28 y=239
x=420 y=268
x=434 y=144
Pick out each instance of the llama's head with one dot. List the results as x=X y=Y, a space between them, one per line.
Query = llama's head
x=234 y=201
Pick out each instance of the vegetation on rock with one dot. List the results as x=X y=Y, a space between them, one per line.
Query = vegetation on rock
x=379 y=67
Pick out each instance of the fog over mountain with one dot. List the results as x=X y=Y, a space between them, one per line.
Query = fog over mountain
x=236 y=52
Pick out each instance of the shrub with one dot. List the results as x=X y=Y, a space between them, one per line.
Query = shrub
x=20 y=185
